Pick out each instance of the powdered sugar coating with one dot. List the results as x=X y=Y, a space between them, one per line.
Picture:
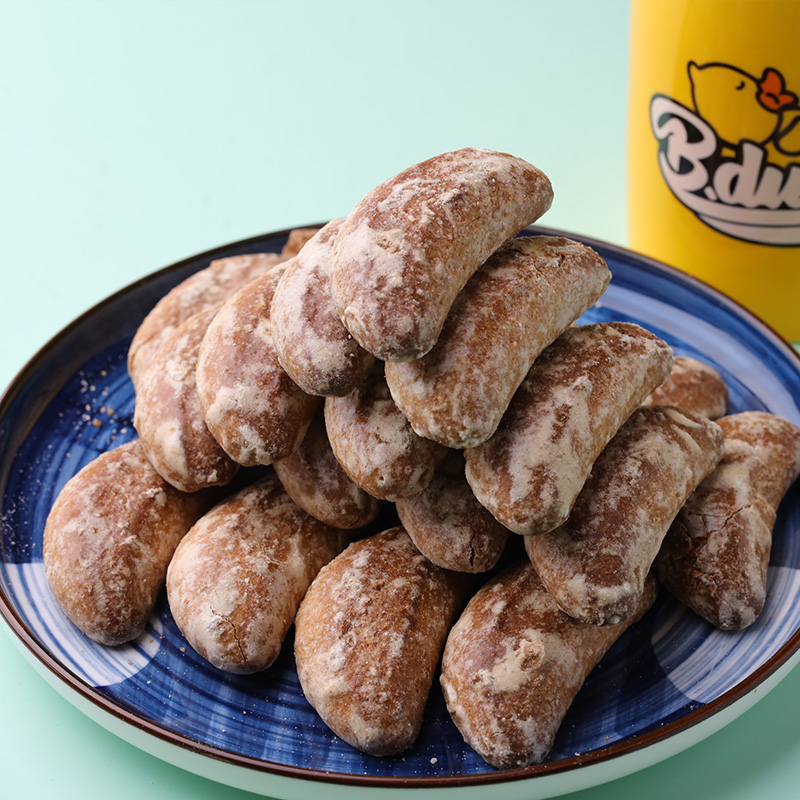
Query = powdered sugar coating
x=251 y=406
x=407 y=249
x=595 y=564
x=237 y=578
x=514 y=662
x=109 y=538
x=515 y=305
x=313 y=346
x=716 y=553
x=316 y=481
x=576 y=396
x=296 y=241
x=369 y=635
x=693 y=385
x=448 y=525
x=208 y=287
x=168 y=416
x=375 y=443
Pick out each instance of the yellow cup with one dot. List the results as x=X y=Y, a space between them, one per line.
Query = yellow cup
x=714 y=146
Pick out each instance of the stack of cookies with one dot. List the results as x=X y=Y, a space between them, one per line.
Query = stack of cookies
x=422 y=353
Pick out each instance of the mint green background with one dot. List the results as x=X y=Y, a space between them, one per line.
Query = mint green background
x=133 y=134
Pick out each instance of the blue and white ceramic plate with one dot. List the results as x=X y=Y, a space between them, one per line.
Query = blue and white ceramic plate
x=668 y=682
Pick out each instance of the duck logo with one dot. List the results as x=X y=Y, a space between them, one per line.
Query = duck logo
x=734 y=159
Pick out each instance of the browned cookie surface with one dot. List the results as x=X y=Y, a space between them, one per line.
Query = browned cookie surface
x=369 y=635
x=296 y=241
x=317 y=482
x=716 y=553
x=693 y=385
x=574 y=399
x=237 y=578
x=168 y=415
x=513 y=664
x=208 y=287
x=407 y=249
x=251 y=406
x=596 y=562
x=312 y=344
x=515 y=305
x=447 y=523
x=108 y=541
x=376 y=444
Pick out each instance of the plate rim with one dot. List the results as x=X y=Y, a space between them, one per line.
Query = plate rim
x=66 y=679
